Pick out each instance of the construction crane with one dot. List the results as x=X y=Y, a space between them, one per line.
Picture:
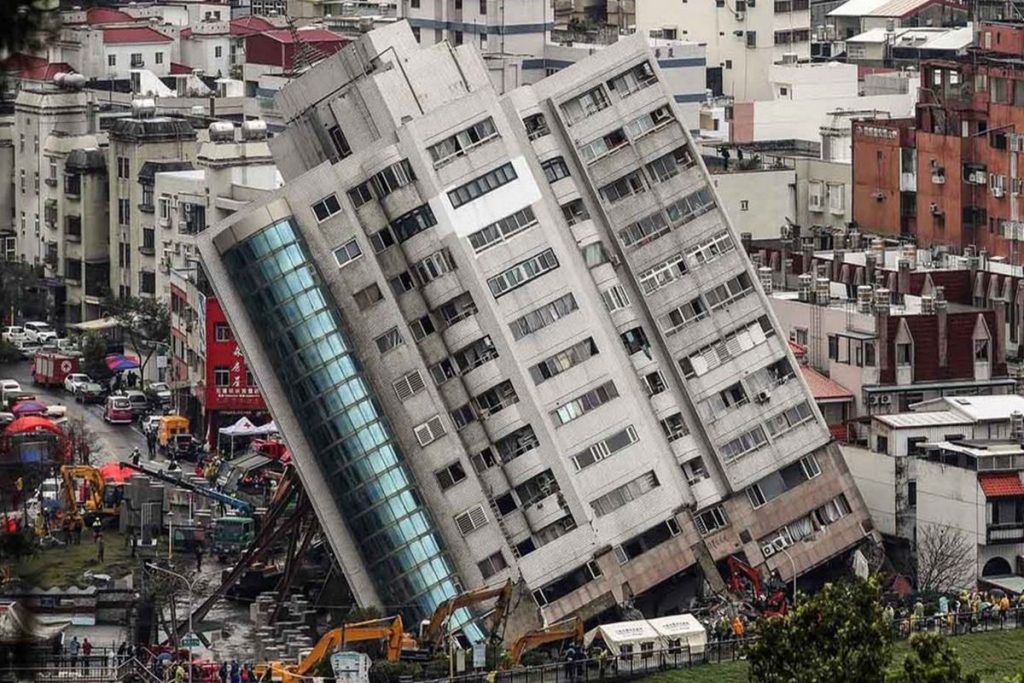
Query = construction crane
x=389 y=629
x=245 y=507
x=562 y=630
x=432 y=635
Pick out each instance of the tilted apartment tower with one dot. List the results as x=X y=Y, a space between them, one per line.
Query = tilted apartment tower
x=514 y=336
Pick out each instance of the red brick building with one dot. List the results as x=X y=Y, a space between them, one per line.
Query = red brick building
x=954 y=178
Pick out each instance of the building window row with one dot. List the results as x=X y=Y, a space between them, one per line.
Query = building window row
x=777 y=483
x=681 y=316
x=615 y=298
x=649 y=122
x=413 y=222
x=450 y=475
x=674 y=427
x=368 y=296
x=633 y=80
x=389 y=341
x=662 y=274
x=729 y=291
x=732 y=345
x=462 y=361
x=506 y=449
x=743 y=444
x=605 y=448
x=502 y=230
x=434 y=266
x=626 y=186
x=383 y=183
x=456 y=309
x=555 y=169
x=680 y=212
x=670 y=165
x=711 y=520
x=585 y=105
x=347 y=252
x=603 y=146
x=789 y=418
x=522 y=273
x=622 y=495
x=824 y=516
x=585 y=403
x=496 y=399
x=459 y=144
x=799 y=35
x=326 y=207
x=542 y=316
x=567 y=583
x=574 y=212
x=536 y=126
x=482 y=185
x=710 y=249
x=563 y=360
x=537 y=488
x=647 y=540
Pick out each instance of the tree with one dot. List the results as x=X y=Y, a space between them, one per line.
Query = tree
x=835 y=636
x=945 y=558
x=146 y=323
x=81 y=440
x=932 y=660
x=22 y=294
x=94 y=356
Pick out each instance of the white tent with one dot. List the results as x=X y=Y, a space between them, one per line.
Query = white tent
x=681 y=629
x=244 y=427
x=632 y=636
x=269 y=428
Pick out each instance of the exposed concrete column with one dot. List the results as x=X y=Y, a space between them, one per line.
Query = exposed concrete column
x=999 y=334
x=943 y=331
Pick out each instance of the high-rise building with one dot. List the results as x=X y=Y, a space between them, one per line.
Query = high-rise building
x=515 y=336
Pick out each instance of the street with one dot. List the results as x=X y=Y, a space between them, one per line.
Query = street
x=113 y=442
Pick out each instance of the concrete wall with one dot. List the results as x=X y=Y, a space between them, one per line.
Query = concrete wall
x=758 y=202
x=875 y=475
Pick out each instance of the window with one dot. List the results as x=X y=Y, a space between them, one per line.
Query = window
x=654 y=382
x=434 y=266
x=555 y=169
x=338 y=140
x=442 y=371
x=483 y=7
x=691 y=206
x=496 y=399
x=474 y=355
x=478 y=187
x=710 y=521
x=430 y=431
x=669 y=166
x=574 y=212
x=744 y=205
x=603 y=146
x=691 y=311
x=483 y=461
x=635 y=340
x=615 y=298
x=626 y=186
x=408 y=385
x=674 y=427
x=630 y=491
x=413 y=222
x=635 y=79
x=402 y=282
x=594 y=254
x=218 y=52
x=837 y=198
x=222 y=332
x=392 y=178
x=221 y=376
x=462 y=416
x=421 y=328
x=460 y=143
x=111 y=60
x=72 y=184
x=536 y=126
x=787 y=419
x=367 y=296
x=471 y=520
x=492 y=565
x=52 y=166
x=347 y=252
x=543 y=316
x=605 y=447
x=727 y=292
x=124 y=211
x=458 y=34
x=136 y=60
x=389 y=340
x=381 y=240
x=585 y=403
x=522 y=273
x=500 y=231
x=585 y=105
x=360 y=194
x=537 y=488
x=326 y=207
x=641 y=126
x=981 y=350
x=742 y=339
x=457 y=308
x=450 y=475
x=563 y=360
x=510 y=447
x=711 y=248
x=72 y=270
x=904 y=354
x=743 y=444
x=645 y=230
x=123 y=170
x=662 y=274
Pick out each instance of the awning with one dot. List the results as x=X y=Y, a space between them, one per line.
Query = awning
x=245 y=427
x=1011 y=583
x=1001 y=484
x=32 y=423
x=117 y=363
x=940 y=386
x=97 y=325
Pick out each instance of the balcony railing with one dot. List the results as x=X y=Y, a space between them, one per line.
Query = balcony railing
x=1012 y=532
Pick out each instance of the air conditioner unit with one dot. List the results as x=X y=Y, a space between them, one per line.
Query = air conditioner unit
x=620 y=555
x=885 y=400
x=164 y=222
x=768 y=550
x=980 y=178
x=878 y=196
x=763 y=396
x=872 y=400
x=939 y=178
x=177 y=247
x=934 y=209
x=740 y=16
x=779 y=543
x=593 y=569
x=998 y=192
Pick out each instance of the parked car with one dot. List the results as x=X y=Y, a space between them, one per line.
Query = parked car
x=138 y=401
x=9 y=388
x=13 y=334
x=68 y=345
x=75 y=380
x=29 y=348
x=159 y=393
x=90 y=392
x=38 y=331
x=118 y=410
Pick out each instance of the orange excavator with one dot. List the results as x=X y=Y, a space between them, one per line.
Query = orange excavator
x=389 y=629
x=744 y=580
x=432 y=633
x=562 y=630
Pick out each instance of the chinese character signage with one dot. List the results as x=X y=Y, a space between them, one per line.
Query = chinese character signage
x=228 y=381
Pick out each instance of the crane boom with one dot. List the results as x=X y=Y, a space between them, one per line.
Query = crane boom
x=242 y=506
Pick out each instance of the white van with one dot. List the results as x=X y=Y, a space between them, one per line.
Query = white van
x=39 y=332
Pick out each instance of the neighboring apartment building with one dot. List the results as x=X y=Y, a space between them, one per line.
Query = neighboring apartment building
x=857 y=16
x=950 y=176
x=743 y=39
x=953 y=464
x=207 y=46
x=907 y=47
x=141 y=146
x=473 y=317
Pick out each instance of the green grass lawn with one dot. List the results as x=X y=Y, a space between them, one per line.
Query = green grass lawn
x=992 y=655
x=63 y=566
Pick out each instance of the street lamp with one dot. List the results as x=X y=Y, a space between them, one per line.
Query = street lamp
x=190 y=585
x=170 y=534
x=806 y=539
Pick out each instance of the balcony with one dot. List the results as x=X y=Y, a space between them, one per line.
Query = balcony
x=544 y=512
x=1012 y=532
x=462 y=332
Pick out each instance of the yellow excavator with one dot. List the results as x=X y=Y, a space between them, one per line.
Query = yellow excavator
x=562 y=630
x=388 y=629
x=432 y=634
x=102 y=500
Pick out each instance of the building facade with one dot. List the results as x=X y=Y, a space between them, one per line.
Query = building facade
x=479 y=312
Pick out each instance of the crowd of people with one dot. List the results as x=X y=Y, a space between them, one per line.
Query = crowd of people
x=960 y=613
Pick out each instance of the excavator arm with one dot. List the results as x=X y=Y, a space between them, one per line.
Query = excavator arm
x=96 y=484
x=390 y=629
x=433 y=632
x=563 y=630
x=738 y=567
